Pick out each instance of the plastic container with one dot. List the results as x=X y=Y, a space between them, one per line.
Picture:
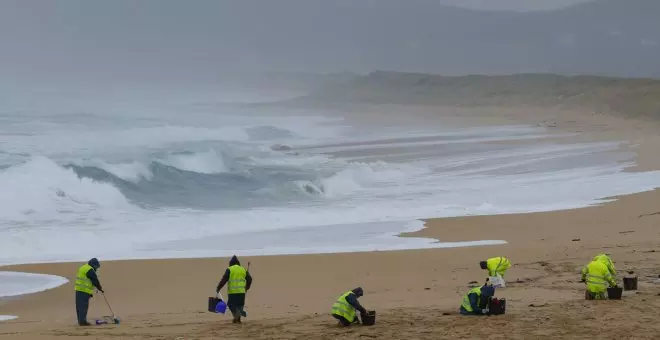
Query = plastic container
x=496 y=306
x=369 y=319
x=221 y=307
x=216 y=305
x=630 y=283
x=213 y=301
x=614 y=293
x=497 y=281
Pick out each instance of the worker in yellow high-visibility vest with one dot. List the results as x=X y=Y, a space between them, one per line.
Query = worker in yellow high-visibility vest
x=496 y=265
x=475 y=302
x=86 y=281
x=344 y=308
x=607 y=261
x=238 y=281
x=596 y=275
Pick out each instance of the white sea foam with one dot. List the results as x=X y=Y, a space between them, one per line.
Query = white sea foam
x=14 y=284
x=209 y=162
x=99 y=140
x=357 y=177
x=371 y=219
x=430 y=172
x=18 y=283
x=131 y=171
x=41 y=190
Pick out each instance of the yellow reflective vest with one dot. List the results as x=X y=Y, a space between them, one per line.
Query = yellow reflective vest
x=237 y=280
x=497 y=265
x=607 y=261
x=466 y=299
x=83 y=283
x=597 y=277
x=344 y=309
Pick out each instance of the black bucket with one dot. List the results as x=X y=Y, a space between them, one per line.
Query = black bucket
x=369 y=319
x=213 y=301
x=496 y=306
x=630 y=283
x=614 y=293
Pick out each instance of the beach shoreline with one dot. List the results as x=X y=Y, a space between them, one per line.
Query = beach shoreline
x=546 y=261
x=415 y=292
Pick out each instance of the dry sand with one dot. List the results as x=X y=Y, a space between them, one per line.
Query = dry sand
x=416 y=293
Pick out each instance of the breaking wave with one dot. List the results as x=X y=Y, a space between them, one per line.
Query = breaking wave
x=206 y=180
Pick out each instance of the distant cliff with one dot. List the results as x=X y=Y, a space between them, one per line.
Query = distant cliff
x=631 y=96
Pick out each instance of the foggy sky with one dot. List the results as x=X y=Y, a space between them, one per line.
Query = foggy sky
x=69 y=40
x=514 y=5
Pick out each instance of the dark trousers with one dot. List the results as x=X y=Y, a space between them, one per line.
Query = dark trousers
x=236 y=303
x=462 y=311
x=82 y=305
x=342 y=320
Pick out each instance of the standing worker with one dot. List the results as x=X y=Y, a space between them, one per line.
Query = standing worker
x=86 y=281
x=496 y=265
x=598 y=278
x=476 y=300
x=238 y=282
x=346 y=305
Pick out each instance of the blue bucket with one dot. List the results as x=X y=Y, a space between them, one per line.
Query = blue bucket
x=221 y=307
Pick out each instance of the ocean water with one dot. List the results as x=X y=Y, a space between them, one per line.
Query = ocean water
x=195 y=177
x=16 y=284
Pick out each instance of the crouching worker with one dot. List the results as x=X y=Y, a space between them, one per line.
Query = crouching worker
x=496 y=265
x=475 y=302
x=598 y=278
x=238 y=281
x=346 y=305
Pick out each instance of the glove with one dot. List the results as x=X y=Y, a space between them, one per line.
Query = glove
x=219 y=295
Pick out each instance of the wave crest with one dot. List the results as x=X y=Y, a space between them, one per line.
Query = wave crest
x=40 y=189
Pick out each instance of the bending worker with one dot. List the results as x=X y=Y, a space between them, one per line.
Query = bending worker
x=598 y=278
x=607 y=261
x=346 y=305
x=496 y=265
x=86 y=281
x=238 y=281
x=475 y=302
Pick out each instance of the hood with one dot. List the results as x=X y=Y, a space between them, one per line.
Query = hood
x=234 y=261
x=601 y=257
x=358 y=291
x=487 y=291
x=94 y=263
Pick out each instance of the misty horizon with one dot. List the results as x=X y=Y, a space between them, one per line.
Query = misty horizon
x=125 y=41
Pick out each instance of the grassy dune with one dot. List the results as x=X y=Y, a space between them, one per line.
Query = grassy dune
x=632 y=97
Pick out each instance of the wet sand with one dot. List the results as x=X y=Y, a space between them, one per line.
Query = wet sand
x=410 y=290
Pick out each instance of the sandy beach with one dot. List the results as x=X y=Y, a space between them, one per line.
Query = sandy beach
x=385 y=145
x=416 y=293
